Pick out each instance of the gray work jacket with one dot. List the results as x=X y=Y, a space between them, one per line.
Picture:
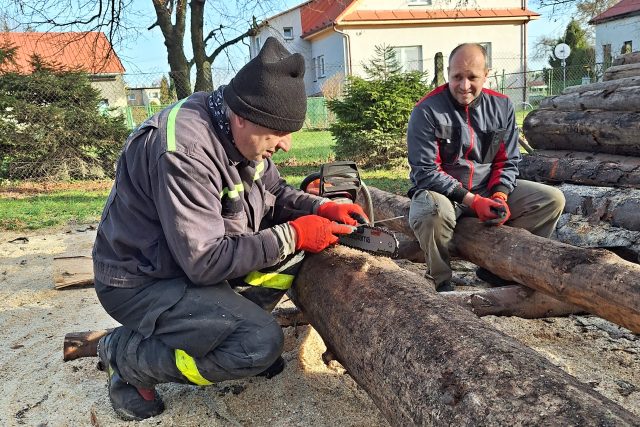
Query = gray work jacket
x=185 y=202
x=454 y=149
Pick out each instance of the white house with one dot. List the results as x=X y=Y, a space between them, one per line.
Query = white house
x=617 y=30
x=337 y=37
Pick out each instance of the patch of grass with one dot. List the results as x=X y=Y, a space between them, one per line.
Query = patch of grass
x=49 y=210
x=307 y=148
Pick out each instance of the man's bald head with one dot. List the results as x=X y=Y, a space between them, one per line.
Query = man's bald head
x=469 y=48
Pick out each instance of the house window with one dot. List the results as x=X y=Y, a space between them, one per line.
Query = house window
x=409 y=57
x=256 y=45
x=320 y=67
x=315 y=68
x=627 y=47
x=154 y=95
x=132 y=97
x=606 y=55
x=487 y=48
x=419 y=2
x=287 y=32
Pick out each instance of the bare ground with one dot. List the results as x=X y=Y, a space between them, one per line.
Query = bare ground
x=39 y=389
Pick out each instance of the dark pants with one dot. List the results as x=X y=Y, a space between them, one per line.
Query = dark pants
x=226 y=334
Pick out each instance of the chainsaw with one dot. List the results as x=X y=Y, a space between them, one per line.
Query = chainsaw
x=340 y=182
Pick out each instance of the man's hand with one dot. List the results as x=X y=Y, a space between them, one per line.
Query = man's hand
x=503 y=212
x=485 y=208
x=314 y=233
x=346 y=213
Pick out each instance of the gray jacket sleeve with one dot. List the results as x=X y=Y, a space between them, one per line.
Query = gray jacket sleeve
x=424 y=157
x=189 y=208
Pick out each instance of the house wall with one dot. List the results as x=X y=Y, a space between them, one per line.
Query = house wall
x=616 y=33
x=112 y=89
x=438 y=4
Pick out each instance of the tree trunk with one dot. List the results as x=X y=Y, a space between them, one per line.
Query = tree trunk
x=596 y=280
x=613 y=132
x=513 y=300
x=426 y=361
x=622 y=98
x=204 y=79
x=621 y=71
x=580 y=231
x=604 y=86
x=618 y=207
x=627 y=58
x=581 y=168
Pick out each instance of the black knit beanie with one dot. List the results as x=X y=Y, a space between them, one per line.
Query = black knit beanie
x=269 y=89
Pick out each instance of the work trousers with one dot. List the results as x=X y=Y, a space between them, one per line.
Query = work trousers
x=175 y=331
x=534 y=207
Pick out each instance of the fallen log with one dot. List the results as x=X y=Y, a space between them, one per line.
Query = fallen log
x=604 y=86
x=578 y=230
x=513 y=300
x=613 y=132
x=595 y=279
x=426 y=361
x=621 y=71
x=581 y=168
x=622 y=98
x=616 y=206
x=627 y=58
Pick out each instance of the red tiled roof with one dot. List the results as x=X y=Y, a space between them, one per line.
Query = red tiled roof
x=414 y=14
x=319 y=14
x=87 y=51
x=618 y=10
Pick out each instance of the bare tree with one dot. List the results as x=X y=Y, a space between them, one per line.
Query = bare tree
x=232 y=21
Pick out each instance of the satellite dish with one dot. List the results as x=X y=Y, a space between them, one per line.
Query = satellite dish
x=562 y=51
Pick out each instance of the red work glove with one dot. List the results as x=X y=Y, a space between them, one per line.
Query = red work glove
x=346 y=213
x=485 y=208
x=314 y=233
x=503 y=212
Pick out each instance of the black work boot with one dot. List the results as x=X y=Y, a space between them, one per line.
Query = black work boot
x=273 y=370
x=495 y=281
x=445 y=286
x=129 y=402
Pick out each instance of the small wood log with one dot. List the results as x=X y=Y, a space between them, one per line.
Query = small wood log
x=604 y=86
x=621 y=71
x=74 y=270
x=581 y=168
x=627 y=58
x=624 y=98
x=595 y=279
x=511 y=300
x=85 y=344
x=426 y=361
x=613 y=132
x=616 y=206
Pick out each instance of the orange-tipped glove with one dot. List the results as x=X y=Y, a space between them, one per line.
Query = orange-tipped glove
x=485 y=208
x=314 y=233
x=346 y=213
x=503 y=211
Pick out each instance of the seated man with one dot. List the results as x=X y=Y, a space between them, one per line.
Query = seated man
x=200 y=236
x=463 y=152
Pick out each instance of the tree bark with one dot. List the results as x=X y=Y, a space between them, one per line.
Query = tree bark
x=618 y=207
x=622 y=98
x=426 y=361
x=627 y=58
x=604 y=86
x=581 y=168
x=597 y=280
x=513 y=300
x=621 y=71
x=613 y=132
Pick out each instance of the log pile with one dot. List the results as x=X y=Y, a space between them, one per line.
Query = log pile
x=586 y=141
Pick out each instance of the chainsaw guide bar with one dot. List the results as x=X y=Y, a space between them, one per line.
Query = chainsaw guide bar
x=374 y=240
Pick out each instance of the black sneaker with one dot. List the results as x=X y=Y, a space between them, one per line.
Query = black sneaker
x=273 y=370
x=130 y=403
x=445 y=286
x=487 y=276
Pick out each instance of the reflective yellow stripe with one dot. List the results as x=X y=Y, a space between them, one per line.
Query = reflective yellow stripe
x=171 y=126
x=187 y=366
x=235 y=193
x=270 y=280
x=259 y=170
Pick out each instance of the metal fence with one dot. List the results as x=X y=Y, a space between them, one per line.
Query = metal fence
x=31 y=140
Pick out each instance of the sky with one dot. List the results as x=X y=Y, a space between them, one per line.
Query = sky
x=147 y=54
